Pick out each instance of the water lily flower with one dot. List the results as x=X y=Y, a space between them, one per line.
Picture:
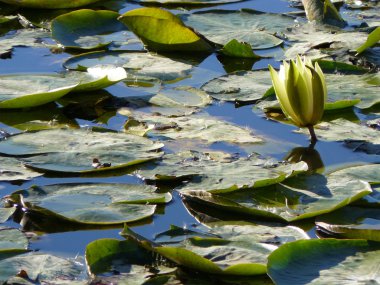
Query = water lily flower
x=301 y=90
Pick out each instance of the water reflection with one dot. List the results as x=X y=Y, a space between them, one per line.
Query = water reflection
x=309 y=155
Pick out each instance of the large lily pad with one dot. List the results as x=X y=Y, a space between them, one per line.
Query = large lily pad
x=325 y=262
x=93 y=203
x=30 y=90
x=253 y=27
x=299 y=198
x=221 y=174
x=197 y=127
x=351 y=222
x=74 y=151
x=42 y=267
x=162 y=31
x=86 y=29
x=364 y=87
x=227 y=249
x=11 y=169
x=136 y=63
x=48 y=4
x=240 y=86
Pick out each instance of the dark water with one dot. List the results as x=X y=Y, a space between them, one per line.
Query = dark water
x=333 y=154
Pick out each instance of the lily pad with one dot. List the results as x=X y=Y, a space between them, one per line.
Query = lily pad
x=86 y=29
x=73 y=151
x=30 y=90
x=239 y=86
x=11 y=169
x=6 y=213
x=197 y=127
x=364 y=87
x=216 y=175
x=42 y=267
x=351 y=223
x=128 y=257
x=355 y=136
x=136 y=63
x=24 y=38
x=254 y=27
x=162 y=31
x=47 y=4
x=93 y=203
x=227 y=249
x=327 y=261
x=299 y=198
x=11 y=240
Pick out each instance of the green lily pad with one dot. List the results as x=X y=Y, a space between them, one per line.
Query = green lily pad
x=86 y=203
x=221 y=174
x=229 y=249
x=47 y=4
x=351 y=86
x=239 y=86
x=197 y=127
x=182 y=96
x=327 y=261
x=136 y=63
x=30 y=90
x=238 y=49
x=318 y=42
x=127 y=256
x=299 y=198
x=73 y=151
x=11 y=169
x=11 y=240
x=351 y=223
x=86 y=29
x=45 y=268
x=162 y=31
x=253 y=27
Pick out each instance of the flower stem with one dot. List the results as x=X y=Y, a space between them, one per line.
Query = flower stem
x=313 y=137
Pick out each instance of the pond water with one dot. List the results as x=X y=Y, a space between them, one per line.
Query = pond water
x=281 y=138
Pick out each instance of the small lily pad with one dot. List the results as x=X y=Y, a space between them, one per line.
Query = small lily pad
x=328 y=261
x=239 y=86
x=99 y=204
x=42 y=267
